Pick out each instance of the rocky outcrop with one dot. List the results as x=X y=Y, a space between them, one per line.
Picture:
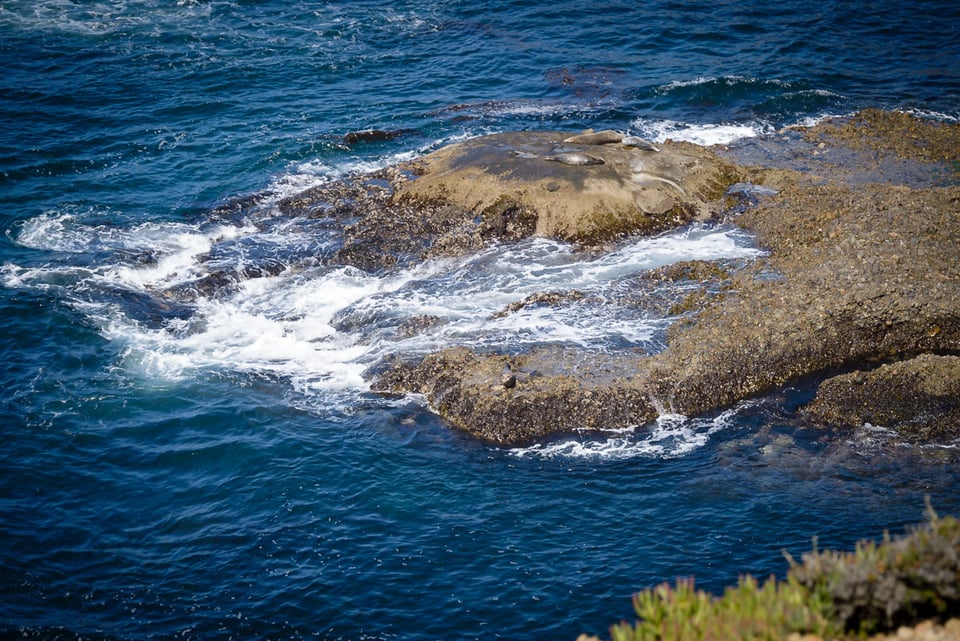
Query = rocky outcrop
x=510 y=186
x=919 y=397
x=517 y=399
x=585 y=189
x=854 y=276
x=860 y=274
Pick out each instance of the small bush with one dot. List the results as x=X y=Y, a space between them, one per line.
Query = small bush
x=898 y=582
x=831 y=594
x=748 y=611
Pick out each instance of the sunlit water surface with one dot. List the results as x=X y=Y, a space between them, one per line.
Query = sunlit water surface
x=218 y=468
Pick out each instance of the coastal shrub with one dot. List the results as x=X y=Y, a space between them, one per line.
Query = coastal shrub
x=899 y=581
x=877 y=587
x=748 y=611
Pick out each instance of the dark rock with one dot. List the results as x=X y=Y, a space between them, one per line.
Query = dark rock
x=374 y=135
x=919 y=397
x=541 y=298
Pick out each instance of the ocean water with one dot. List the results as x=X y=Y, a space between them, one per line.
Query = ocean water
x=217 y=468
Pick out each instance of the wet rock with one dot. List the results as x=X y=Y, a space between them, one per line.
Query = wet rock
x=221 y=280
x=540 y=299
x=919 y=397
x=379 y=233
x=374 y=135
x=418 y=324
x=889 y=133
x=862 y=269
x=519 y=399
x=858 y=273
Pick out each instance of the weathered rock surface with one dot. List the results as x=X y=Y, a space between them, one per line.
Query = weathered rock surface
x=860 y=273
x=521 y=398
x=853 y=276
x=919 y=397
x=510 y=186
x=526 y=178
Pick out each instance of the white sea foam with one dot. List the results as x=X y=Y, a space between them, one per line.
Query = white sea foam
x=812 y=121
x=933 y=115
x=670 y=436
x=466 y=295
x=727 y=80
x=536 y=108
x=316 y=172
x=96 y=18
x=701 y=134
x=322 y=327
x=279 y=326
x=70 y=232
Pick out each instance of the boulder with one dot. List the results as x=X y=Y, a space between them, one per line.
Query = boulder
x=919 y=397
x=577 y=191
x=520 y=399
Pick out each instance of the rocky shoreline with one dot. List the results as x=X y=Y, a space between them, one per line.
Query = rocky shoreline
x=861 y=289
x=859 y=292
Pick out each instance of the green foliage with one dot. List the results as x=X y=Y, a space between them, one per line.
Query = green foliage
x=831 y=594
x=900 y=581
x=748 y=611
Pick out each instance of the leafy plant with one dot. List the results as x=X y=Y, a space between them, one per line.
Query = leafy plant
x=747 y=611
x=900 y=581
x=831 y=594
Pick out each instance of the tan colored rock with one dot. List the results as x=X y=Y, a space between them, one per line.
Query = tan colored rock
x=923 y=631
x=519 y=399
x=855 y=275
x=619 y=190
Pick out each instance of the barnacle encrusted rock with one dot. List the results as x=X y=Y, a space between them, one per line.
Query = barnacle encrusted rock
x=860 y=273
x=550 y=390
x=919 y=397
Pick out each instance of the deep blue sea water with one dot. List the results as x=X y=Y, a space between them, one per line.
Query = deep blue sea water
x=218 y=469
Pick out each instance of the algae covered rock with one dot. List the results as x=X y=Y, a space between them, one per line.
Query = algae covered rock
x=519 y=399
x=920 y=397
x=855 y=275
